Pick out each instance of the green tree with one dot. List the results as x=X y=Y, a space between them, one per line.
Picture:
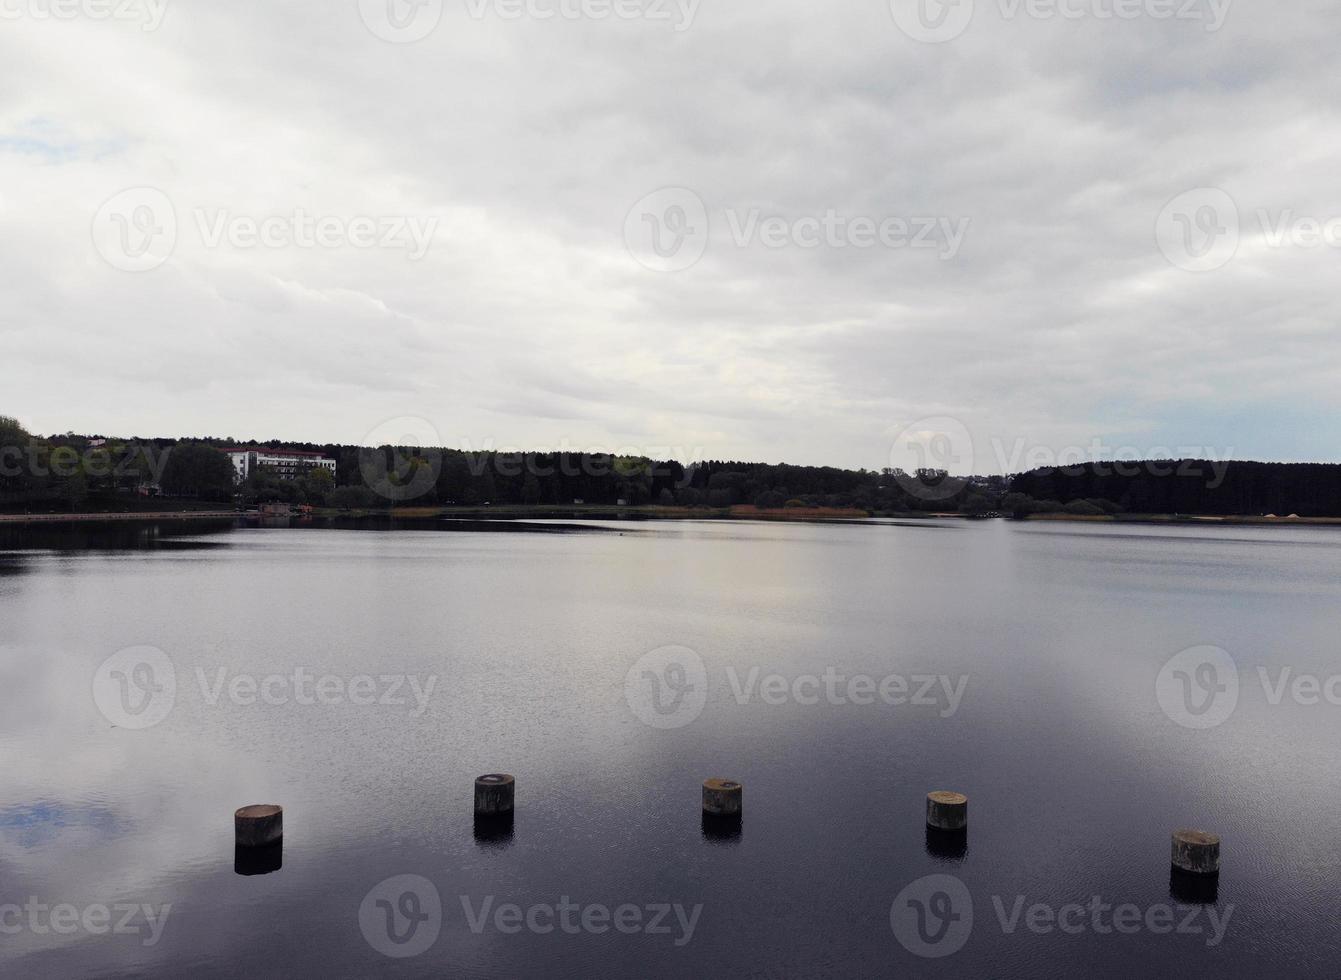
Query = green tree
x=530 y=490
x=195 y=469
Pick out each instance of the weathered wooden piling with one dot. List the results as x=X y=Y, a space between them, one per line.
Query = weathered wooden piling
x=722 y=797
x=947 y=844
x=495 y=794
x=496 y=830
x=1196 y=852
x=259 y=826
x=253 y=861
x=947 y=811
x=722 y=830
x=1190 y=889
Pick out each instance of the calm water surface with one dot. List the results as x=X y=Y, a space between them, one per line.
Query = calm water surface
x=1058 y=633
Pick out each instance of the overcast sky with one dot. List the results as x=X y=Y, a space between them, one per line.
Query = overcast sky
x=1003 y=234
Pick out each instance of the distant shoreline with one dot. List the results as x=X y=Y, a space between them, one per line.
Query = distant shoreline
x=1233 y=520
x=174 y=515
x=809 y=515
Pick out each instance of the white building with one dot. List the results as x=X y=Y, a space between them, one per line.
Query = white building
x=287 y=464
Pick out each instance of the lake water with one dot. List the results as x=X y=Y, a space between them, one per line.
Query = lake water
x=530 y=650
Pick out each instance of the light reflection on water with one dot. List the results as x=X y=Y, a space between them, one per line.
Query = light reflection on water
x=1075 y=775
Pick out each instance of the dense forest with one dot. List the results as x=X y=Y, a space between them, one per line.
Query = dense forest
x=75 y=472
x=1192 y=487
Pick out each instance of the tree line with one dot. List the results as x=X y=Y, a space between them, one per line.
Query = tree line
x=74 y=472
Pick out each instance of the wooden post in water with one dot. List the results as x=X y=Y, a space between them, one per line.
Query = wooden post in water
x=495 y=795
x=259 y=826
x=947 y=811
x=722 y=798
x=1196 y=852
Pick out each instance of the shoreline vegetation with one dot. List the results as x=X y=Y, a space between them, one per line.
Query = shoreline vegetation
x=810 y=515
x=83 y=475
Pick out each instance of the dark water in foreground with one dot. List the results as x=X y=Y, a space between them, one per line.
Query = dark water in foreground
x=1045 y=645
